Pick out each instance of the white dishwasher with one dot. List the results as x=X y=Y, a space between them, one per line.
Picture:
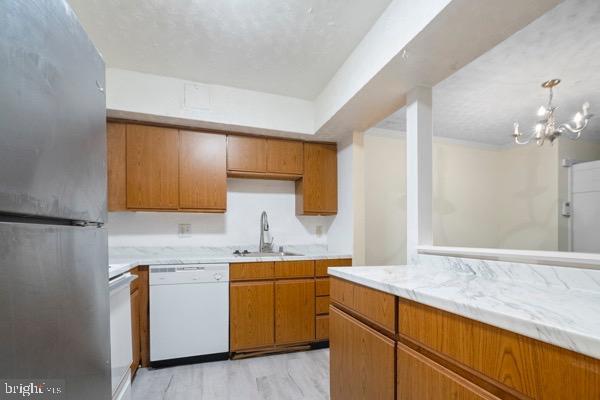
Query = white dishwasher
x=189 y=313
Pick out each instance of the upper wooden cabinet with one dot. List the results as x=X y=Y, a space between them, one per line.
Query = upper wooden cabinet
x=285 y=156
x=246 y=154
x=163 y=169
x=266 y=158
x=152 y=167
x=316 y=192
x=116 y=142
x=202 y=171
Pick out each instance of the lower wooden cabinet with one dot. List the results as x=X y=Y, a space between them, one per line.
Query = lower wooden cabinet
x=419 y=378
x=251 y=315
x=294 y=311
x=135 y=331
x=361 y=360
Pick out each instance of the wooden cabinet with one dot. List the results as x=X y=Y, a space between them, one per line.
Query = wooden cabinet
x=140 y=343
x=294 y=311
x=285 y=156
x=251 y=315
x=202 y=171
x=246 y=154
x=152 y=167
x=322 y=265
x=361 y=360
x=374 y=305
x=116 y=162
x=251 y=271
x=164 y=169
x=316 y=192
x=420 y=378
x=135 y=330
x=538 y=370
x=440 y=355
x=295 y=269
x=322 y=327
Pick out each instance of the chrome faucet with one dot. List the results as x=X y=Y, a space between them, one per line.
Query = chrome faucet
x=264 y=247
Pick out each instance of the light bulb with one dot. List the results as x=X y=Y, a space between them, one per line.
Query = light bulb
x=542 y=111
x=538 y=130
x=578 y=118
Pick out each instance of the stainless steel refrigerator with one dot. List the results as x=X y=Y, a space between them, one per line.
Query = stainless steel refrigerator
x=54 y=301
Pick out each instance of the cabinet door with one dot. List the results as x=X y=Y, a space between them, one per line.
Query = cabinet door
x=135 y=330
x=422 y=379
x=361 y=360
x=317 y=190
x=285 y=156
x=202 y=171
x=294 y=311
x=246 y=154
x=251 y=316
x=152 y=167
x=116 y=141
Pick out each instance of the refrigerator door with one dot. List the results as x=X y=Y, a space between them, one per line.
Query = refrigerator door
x=54 y=307
x=52 y=114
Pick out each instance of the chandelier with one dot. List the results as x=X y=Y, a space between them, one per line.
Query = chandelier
x=547 y=128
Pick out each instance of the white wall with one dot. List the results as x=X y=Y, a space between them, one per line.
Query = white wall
x=483 y=196
x=340 y=235
x=385 y=199
x=239 y=226
x=136 y=92
x=528 y=210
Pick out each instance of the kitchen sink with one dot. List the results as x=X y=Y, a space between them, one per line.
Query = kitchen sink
x=246 y=253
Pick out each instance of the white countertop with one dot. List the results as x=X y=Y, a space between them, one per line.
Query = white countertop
x=123 y=259
x=565 y=317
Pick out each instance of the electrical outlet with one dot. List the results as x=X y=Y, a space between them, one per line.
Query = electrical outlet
x=319 y=230
x=184 y=230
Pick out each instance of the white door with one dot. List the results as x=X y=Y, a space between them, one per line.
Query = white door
x=585 y=207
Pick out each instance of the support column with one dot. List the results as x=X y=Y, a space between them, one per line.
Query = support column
x=419 y=186
x=358 y=198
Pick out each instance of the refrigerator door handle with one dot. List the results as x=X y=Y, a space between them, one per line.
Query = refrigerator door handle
x=121 y=281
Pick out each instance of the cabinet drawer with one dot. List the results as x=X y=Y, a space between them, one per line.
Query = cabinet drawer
x=251 y=271
x=377 y=307
x=322 y=327
x=322 y=305
x=322 y=265
x=294 y=269
x=538 y=370
x=419 y=378
x=322 y=287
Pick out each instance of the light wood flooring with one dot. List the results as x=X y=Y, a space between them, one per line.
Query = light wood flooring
x=301 y=375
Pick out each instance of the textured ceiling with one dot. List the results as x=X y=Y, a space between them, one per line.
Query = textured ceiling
x=481 y=101
x=288 y=47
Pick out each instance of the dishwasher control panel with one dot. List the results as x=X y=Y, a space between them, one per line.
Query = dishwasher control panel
x=188 y=273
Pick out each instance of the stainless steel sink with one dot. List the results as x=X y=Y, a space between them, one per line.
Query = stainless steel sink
x=265 y=254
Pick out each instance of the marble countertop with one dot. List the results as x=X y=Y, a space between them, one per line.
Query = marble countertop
x=563 y=316
x=122 y=260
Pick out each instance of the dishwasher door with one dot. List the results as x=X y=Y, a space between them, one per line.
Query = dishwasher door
x=189 y=312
